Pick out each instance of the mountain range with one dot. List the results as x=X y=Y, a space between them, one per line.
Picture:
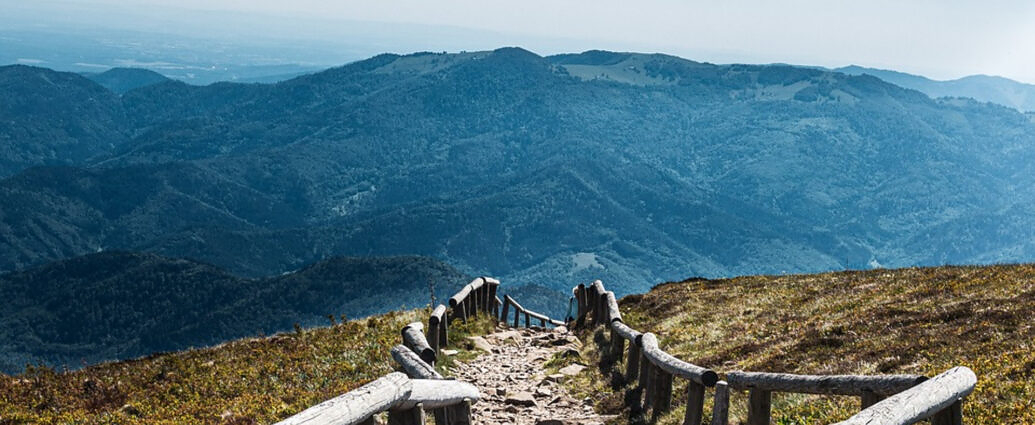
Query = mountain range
x=635 y=168
x=984 y=88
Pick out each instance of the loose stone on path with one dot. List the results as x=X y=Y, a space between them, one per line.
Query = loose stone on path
x=512 y=379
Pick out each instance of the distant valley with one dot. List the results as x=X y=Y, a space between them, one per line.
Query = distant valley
x=633 y=168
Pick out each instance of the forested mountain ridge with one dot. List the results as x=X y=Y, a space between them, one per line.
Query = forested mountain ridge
x=122 y=80
x=630 y=167
x=984 y=88
x=118 y=305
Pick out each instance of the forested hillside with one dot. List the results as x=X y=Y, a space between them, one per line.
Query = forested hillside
x=119 y=305
x=630 y=167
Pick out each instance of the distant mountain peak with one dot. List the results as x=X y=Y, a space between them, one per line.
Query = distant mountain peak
x=984 y=88
x=122 y=80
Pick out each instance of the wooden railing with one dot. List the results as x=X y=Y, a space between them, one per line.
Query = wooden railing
x=509 y=302
x=885 y=400
x=408 y=396
x=647 y=364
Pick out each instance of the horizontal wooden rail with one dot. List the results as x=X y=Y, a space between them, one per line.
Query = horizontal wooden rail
x=670 y=364
x=436 y=393
x=625 y=332
x=509 y=303
x=407 y=398
x=359 y=405
x=413 y=337
x=853 y=385
x=412 y=364
x=612 y=313
x=939 y=398
x=651 y=370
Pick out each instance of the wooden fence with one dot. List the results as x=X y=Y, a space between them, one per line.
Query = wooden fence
x=408 y=396
x=885 y=400
x=509 y=302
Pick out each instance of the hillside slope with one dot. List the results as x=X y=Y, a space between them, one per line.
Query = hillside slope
x=248 y=381
x=641 y=168
x=917 y=320
x=51 y=117
x=983 y=88
x=122 y=80
x=118 y=305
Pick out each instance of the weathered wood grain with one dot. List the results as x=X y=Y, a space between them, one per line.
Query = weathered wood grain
x=413 y=337
x=694 y=404
x=854 y=385
x=412 y=416
x=667 y=362
x=662 y=396
x=436 y=393
x=612 y=308
x=580 y=297
x=412 y=364
x=438 y=327
x=919 y=402
x=721 y=404
x=632 y=362
x=617 y=346
x=625 y=331
x=759 y=406
x=506 y=309
x=358 y=405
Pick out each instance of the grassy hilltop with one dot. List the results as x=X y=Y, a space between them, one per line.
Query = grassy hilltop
x=916 y=320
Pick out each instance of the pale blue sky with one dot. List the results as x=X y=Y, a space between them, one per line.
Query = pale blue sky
x=940 y=39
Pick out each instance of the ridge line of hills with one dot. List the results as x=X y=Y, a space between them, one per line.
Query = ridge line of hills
x=983 y=88
x=640 y=168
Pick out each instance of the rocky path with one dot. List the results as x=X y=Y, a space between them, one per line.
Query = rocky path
x=513 y=382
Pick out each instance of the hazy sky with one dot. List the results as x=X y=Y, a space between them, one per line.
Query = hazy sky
x=940 y=39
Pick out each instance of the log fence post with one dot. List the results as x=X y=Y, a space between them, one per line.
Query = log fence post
x=632 y=363
x=496 y=304
x=483 y=297
x=694 y=404
x=952 y=415
x=759 y=406
x=617 y=346
x=580 y=300
x=432 y=336
x=443 y=335
x=413 y=416
x=459 y=310
x=461 y=413
x=506 y=309
x=721 y=404
x=869 y=398
x=648 y=378
x=662 y=394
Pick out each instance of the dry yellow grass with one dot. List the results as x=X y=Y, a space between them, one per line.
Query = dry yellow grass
x=917 y=320
x=249 y=381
